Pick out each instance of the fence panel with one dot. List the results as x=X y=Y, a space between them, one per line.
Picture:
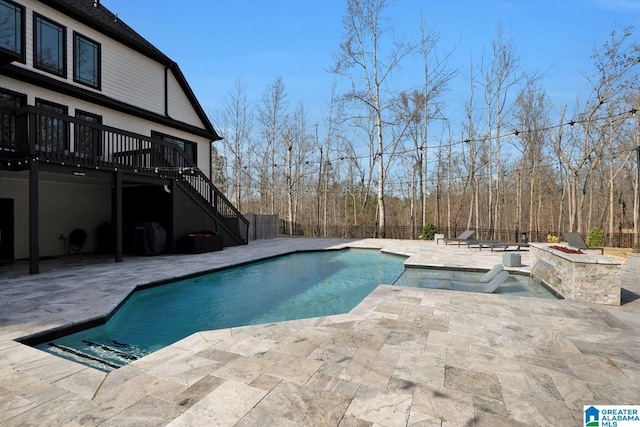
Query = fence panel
x=262 y=226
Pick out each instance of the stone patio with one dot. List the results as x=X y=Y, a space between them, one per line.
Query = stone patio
x=404 y=356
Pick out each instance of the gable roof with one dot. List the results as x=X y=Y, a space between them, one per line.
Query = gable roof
x=94 y=14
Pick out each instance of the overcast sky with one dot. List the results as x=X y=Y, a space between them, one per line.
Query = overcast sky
x=216 y=42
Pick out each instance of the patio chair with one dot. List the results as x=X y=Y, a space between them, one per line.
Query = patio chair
x=485 y=278
x=481 y=244
x=506 y=245
x=464 y=237
x=576 y=241
x=486 y=288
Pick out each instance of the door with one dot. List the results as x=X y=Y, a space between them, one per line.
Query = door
x=6 y=229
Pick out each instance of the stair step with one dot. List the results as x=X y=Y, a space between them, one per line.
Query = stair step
x=83 y=356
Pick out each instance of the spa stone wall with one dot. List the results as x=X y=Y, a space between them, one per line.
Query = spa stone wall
x=584 y=277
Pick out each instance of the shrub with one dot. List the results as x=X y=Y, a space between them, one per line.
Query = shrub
x=428 y=231
x=552 y=239
x=595 y=237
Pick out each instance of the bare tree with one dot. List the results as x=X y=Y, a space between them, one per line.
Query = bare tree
x=499 y=75
x=471 y=160
x=296 y=162
x=327 y=165
x=272 y=118
x=437 y=76
x=531 y=119
x=362 y=61
x=615 y=76
x=238 y=121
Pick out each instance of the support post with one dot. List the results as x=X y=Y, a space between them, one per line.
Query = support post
x=117 y=216
x=34 y=219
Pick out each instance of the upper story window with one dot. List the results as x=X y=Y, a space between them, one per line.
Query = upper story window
x=11 y=30
x=86 y=61
x=9 y=103
x=11 y=100
x=49 y=46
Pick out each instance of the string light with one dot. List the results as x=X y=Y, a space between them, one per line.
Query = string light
x=517 y=133
x=341 y=158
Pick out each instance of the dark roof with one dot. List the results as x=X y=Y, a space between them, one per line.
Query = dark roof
x=102 y=19
x=94 y=14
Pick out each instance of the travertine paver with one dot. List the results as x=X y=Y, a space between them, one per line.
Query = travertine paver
x=404 y=356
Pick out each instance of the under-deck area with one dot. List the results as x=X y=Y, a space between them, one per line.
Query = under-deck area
x=66 y=166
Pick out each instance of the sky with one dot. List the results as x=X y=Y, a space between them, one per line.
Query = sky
x=217 y=42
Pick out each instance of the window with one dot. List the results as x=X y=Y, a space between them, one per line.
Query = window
x=11 y=26
x=12 y=100
x=189 y=148
x=86 y=61
x=49 y=44
x=88 y=139
x=51 y=132
x=9 y=103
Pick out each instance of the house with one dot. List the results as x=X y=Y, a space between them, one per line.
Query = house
x=99 y=130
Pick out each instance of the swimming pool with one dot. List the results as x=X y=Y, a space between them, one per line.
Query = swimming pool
x=294 y=286
x=288 y=287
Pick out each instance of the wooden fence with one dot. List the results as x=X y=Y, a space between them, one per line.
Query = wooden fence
x=262 y=226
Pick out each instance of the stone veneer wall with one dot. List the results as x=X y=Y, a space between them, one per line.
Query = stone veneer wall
x=584 y=277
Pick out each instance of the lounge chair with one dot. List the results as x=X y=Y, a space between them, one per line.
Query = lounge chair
x=481 y=244
x=486 y=288
x=485 y=278
x=576 y=241
x=464 y=237
x=506 y=245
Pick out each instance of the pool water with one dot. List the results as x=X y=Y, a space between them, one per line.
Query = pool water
x=516 y=284
x=295 y=286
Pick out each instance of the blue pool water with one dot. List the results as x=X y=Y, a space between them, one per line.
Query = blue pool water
x=295 y=286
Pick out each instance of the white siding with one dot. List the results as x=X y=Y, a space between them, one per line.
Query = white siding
x=127 y=76
x=132 y=78
x=179 y=106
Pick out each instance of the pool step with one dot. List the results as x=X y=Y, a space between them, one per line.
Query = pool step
x=114 y=351
x=82 y=357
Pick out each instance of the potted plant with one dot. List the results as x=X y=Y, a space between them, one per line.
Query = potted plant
x=595 y=237
x=428 y=231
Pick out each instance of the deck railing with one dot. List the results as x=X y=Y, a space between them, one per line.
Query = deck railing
x=60 y=139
